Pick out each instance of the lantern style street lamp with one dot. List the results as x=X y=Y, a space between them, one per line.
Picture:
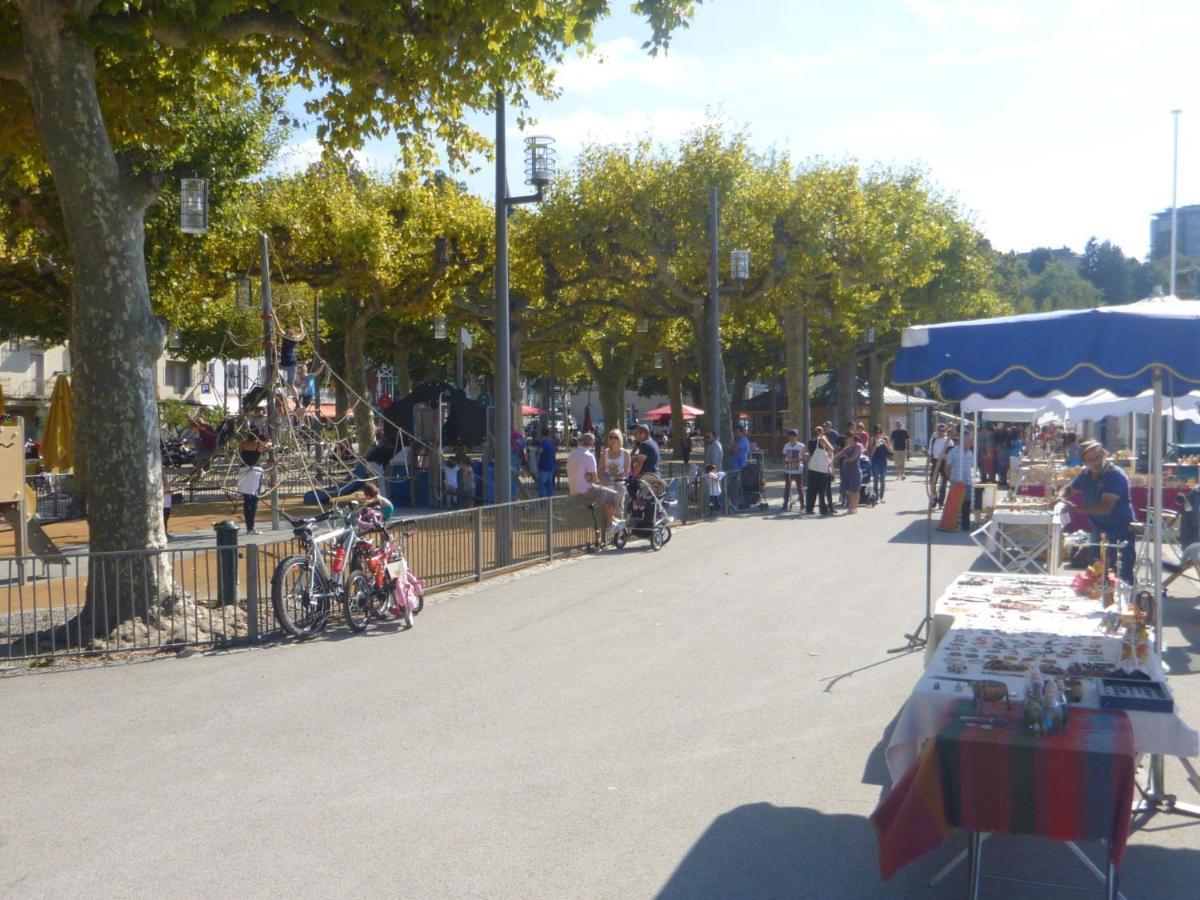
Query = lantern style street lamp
x=540 y=161
x=244 y=298
x=439 y=328
x=658 y=360
x=643 y=326
x=739 y=265
x=193 y=205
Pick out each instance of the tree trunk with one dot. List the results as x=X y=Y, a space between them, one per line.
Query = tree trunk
x=675 y=395
x=875 y=377
x=612 y=400
x=117 y=417
x=356 y=379
x=720 y=403
x=847 y=388
x=793 y=319
x=400 y=352
x=610 y=372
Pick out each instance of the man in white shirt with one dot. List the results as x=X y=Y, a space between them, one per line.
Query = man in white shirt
x=583 y=481
x=960 y=467
x=938 y=448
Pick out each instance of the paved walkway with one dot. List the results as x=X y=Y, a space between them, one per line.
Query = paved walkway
x=707 y=721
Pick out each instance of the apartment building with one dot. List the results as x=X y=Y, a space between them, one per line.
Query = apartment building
x=29 y=368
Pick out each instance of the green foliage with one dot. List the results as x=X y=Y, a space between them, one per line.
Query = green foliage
x=1106 y=267
x=227 y=131
x=173 y=414
x=1058 y=286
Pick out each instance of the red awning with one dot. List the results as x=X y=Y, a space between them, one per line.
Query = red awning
x=664 y=412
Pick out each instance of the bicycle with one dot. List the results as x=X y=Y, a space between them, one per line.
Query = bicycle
x=392 y=589
x=303 y=587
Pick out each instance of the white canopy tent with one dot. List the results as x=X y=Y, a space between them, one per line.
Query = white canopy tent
x=1102 y=404
x=1017 y=405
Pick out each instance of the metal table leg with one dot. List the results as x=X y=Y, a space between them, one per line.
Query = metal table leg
x=974 y=863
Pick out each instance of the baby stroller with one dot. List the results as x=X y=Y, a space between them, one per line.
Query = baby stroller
x=866 y=493
x=753 y=486
x=645 y=513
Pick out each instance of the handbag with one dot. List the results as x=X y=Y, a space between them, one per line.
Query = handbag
x=819 y=461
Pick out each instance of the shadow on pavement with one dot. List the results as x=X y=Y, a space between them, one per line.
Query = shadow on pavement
x=761 y=850
x=876 y=770
x=1184 y=614
x=914 y=533
x=764 y=851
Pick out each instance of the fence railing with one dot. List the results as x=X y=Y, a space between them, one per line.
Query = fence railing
x=98 y=603
x=54 y=493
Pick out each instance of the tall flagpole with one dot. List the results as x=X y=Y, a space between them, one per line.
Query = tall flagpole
x=1174 y=208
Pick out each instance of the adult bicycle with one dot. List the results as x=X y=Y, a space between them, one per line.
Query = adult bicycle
x=305 y=586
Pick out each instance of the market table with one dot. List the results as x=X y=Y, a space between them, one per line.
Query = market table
x=999 y=628
x=1038 y=618
x=1000 y=778
x=1017 y=539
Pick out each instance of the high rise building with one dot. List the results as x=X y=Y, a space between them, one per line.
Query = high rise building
x=1188 y=239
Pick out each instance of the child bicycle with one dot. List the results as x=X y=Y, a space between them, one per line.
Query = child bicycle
x=303 y=587
x=392 y=588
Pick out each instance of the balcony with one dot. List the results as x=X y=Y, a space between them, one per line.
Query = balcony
x=18 y=388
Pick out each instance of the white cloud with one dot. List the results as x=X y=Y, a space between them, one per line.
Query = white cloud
x=584 y=126
x=941 y=13
x=297 y=156
x=622 y=61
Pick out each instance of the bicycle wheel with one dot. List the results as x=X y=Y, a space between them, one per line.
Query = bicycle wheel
x=356 y=600
x=299 y=597
x=417 y=598
x=408 y=610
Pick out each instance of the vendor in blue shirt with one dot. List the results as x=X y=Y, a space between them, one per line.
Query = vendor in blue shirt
x=646 y=460
x=1105 y=490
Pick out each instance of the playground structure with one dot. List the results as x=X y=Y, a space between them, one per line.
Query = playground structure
x=18 y=503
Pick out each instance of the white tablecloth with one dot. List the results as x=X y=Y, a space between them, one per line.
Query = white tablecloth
x=1025 y=620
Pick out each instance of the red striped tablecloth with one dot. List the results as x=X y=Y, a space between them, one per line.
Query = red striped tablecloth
x=1075 y=785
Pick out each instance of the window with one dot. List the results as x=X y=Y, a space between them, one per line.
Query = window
x=233 y=381
x=178 y=376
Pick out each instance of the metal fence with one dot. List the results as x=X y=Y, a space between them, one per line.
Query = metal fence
x=54 y=493
x=217 y=597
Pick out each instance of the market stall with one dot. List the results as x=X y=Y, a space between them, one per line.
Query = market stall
x=997 y=643
x=1025 y=632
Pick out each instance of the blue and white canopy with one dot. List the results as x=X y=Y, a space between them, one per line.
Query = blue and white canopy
x=1075 y=352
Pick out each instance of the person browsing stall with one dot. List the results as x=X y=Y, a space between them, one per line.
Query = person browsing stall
x=959 y=466
x=1106 y=503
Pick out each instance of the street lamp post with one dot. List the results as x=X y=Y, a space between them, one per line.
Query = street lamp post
x=539 y=171
x=739 y=270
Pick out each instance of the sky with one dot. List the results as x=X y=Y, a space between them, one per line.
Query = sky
x=1050 y=121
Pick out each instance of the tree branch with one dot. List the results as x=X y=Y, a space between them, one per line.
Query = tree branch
x=271 y=22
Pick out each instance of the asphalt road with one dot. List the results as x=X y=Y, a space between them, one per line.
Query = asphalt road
x=707 y=721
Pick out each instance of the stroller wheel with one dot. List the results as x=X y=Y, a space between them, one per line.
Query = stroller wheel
x=666 y=535
x=621 y=538
x=656 y=539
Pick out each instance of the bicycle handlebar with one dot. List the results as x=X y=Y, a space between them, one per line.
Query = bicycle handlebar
x=331 y=513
